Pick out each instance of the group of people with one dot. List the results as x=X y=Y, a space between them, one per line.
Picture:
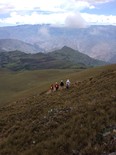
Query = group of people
x=56 y=86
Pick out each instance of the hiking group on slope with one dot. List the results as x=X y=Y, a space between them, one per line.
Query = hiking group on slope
x=56 y=86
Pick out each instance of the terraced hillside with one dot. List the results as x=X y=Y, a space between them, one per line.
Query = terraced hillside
x=78 y=121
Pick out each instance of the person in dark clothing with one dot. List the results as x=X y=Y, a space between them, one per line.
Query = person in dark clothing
x=61 y=84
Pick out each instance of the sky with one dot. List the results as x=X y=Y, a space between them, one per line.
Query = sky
x=69 y=13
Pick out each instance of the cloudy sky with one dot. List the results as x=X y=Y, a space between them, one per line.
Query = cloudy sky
x=73 y=13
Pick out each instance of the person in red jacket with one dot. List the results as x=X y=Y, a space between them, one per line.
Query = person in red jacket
x=56 y=86
x=52 y=87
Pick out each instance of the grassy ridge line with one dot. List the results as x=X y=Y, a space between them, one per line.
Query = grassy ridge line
x=15 y=85
x=81 y=120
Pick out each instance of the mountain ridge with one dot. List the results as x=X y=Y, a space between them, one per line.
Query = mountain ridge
x=14 y=44
x=63 y=58
x=95 y=41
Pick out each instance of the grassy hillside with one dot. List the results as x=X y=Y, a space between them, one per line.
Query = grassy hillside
x=14 y=85
x=75 y=57
x=81 y=120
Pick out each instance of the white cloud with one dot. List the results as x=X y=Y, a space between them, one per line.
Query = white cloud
x=99 y=19
x=60 y=12
x=68 y=19
x=95 y=1
x=44 y=32
x=35 y=18
x=18 y=5
x=48 y=5
x=75 y=21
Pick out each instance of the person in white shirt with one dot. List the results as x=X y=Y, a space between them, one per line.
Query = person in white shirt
x=67 y=83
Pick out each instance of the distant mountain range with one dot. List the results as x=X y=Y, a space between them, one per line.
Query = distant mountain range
x=113 y=59
x=59 y=59
x=7 y=45
x=96 y=41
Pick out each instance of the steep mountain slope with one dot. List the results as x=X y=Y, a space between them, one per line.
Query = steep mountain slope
x=13 y=44
x=96 y=41
x=80 y=120
x=64 y=58
x=69 y=54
